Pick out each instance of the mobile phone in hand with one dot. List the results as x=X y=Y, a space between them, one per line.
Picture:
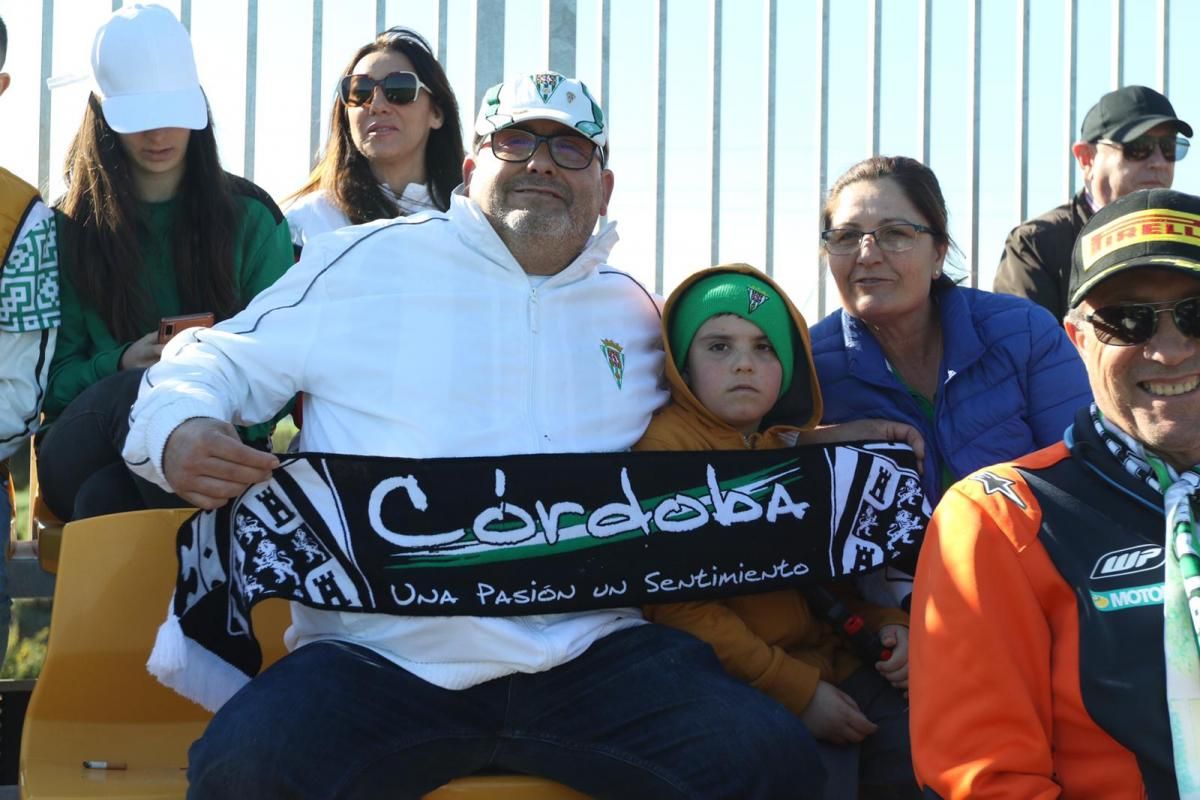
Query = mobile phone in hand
x=169 y=326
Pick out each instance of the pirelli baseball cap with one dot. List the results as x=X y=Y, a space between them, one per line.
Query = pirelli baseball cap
x=1157 y=228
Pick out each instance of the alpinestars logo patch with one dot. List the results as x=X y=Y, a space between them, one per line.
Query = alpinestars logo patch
x=614 y=354
x=757 y=298
x=546 y=83
x=994 y=484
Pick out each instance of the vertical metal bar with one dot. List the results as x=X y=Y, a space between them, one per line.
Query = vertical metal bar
x=443 y=30
x=873 y=55
x=44 y=97
x=1118 y=43
x=1023 y=108
x=661 y=157
x=185 y=14
x=251 y=86
x=769 y=233
x=1164 y=46
x=604 y=27
x=924 y=72
x=973 y=126
x=605 y=34
x=1072 y=63
x=822 y=136
x=714 y=215
x=560 y=36
x=380 y=15
x=489 y=46
x=314 y=116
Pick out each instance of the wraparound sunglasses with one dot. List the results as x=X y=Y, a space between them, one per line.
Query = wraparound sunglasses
x=399 y=88
x=1130 y=324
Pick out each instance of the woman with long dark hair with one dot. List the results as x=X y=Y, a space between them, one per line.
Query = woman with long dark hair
x=150 y=227
x=395 y=146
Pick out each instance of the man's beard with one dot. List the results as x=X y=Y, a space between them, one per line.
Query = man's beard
x=551 y=222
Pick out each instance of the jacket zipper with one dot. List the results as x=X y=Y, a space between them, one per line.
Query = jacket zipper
x=539 y=443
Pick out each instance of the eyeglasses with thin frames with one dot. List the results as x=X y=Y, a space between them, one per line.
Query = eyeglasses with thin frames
x=1129 y=324
x=399 y=88
x=1173 y=148
x=567 y=150
x=895 y=237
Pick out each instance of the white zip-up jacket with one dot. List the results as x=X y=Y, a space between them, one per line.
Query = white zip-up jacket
x=312 y=214
x=422 y=337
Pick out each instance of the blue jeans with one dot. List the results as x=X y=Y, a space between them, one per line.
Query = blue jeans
x=646 y=712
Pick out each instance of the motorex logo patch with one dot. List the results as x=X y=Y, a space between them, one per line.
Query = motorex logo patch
x=1128 y=560
x=1133 y=597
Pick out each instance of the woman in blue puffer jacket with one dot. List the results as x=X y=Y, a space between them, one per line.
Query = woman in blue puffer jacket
x=985 y=377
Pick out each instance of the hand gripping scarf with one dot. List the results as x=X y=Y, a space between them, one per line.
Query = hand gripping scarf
x=530 y=534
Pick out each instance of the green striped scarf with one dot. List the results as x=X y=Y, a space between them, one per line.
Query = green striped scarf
x=1181 y=590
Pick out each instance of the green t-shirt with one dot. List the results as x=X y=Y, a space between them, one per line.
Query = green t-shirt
x=87 y=351
x=927 y=408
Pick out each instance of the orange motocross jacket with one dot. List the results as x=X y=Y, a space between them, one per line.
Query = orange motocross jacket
x=1037 y=666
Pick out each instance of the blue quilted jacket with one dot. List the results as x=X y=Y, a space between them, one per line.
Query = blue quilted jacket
x=1010 y=381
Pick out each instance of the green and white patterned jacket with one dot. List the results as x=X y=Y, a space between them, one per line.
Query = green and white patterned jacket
x=29 y=308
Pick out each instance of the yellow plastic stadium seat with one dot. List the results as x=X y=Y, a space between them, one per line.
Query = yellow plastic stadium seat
x=16 y=548
x=95 y=701
x=504 y=787
x=45 y=529
x=12 y=512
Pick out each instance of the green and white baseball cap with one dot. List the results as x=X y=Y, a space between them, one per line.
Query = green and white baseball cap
x=542 y=95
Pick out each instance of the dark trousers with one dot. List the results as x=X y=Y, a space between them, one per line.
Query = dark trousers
x=880 y=766
x=80 y=468
x=646 y=712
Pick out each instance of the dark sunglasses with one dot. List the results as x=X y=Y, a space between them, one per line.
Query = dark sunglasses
x=399 y=88
x=566 y=149
x=1135 y=323
x=1173 y=147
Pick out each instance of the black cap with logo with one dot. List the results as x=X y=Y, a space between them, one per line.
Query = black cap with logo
x=1127 y=113
x=1149 y=228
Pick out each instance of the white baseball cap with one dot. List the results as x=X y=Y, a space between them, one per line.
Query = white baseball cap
x=145 y=73
x=542 y=95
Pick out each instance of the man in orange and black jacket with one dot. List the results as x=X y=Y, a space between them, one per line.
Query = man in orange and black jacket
x=1040 y=666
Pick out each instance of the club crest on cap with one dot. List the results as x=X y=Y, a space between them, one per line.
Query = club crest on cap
x=547 y=83
x=757 y=298
x=544 y=95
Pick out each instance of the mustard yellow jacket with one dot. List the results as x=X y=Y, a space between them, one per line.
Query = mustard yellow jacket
x=770 y=640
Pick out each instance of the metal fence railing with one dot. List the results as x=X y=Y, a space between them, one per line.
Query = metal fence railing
x=728 y=120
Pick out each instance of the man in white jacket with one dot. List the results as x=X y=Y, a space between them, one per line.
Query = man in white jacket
x=495 y=328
